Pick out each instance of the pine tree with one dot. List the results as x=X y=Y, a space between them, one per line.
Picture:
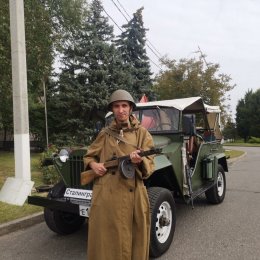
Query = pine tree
x=131 y=44
x=91 y=71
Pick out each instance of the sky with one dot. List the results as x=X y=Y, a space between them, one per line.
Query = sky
x=226 y=31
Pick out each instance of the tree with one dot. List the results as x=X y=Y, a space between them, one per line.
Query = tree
x=47 y=22
x=51 y=25
x=39 y=58
x=193 y=77
x=6 y=111
x=230 y=131
x=39 y=46
x=66 y=18
x=131 y=44
x=247 y=115
x=91 y=70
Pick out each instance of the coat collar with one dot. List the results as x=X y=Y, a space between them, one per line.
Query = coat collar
x=134 y=123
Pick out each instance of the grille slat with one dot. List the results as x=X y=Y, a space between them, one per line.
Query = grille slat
x=76 y=167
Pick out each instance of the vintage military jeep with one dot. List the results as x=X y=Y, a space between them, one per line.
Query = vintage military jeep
x=192 y=162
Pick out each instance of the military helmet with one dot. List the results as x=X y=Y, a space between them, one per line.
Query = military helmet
x=120 y=95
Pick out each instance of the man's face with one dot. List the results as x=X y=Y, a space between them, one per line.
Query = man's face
x=121 y=110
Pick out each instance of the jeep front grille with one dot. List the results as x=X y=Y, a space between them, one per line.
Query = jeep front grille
x=76 y=167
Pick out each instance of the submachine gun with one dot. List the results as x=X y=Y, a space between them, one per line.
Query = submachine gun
x=126 y=167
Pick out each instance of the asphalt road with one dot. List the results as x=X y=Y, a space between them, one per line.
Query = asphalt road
x=230 y=230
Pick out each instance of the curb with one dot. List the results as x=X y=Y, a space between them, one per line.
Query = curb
x=231 y=161
x=21 y=223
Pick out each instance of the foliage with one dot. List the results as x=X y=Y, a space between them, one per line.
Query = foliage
x=39 y=57
x=62 y=19
x=6 y=119
x=90 y=72
x=230 y=131
x=193 y=77
x=66 y=18
x=247 y=116
x=131 y=44
x=254 y=140
x=92 y=67
x=47 y=24
x=50 y=174
x=39 y=47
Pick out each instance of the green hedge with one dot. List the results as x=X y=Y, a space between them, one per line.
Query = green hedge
x=254 y=140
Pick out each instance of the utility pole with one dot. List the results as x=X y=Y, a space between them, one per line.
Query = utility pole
x=16 y=190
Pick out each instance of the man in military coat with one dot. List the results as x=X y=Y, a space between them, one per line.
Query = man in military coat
x=119 y=221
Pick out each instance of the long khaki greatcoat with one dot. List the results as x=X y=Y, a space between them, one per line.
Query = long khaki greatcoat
x=119 y=221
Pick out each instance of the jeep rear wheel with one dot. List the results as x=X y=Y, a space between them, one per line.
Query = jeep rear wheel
x=163 y=220
x=216 y=194
x=61 y=222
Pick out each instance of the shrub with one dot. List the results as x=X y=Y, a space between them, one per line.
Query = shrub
x=253 y=140
x=50 y=174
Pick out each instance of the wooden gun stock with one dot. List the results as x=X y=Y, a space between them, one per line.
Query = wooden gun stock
x=89 y=175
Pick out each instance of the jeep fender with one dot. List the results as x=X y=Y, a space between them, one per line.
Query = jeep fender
x=161 y=161
x=222 y=160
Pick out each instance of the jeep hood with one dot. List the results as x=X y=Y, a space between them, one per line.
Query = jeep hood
x=160 y=141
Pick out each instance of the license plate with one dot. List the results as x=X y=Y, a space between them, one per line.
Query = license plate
x=84 y=211
x=78 y=194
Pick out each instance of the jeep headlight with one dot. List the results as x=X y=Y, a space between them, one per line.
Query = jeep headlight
x=63 y=155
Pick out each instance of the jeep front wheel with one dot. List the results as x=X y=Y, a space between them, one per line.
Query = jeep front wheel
x=163 y=220
x=61 y=222
x=58 y=221
x=216 y=194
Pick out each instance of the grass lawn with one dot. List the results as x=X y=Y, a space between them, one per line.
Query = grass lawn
x=233 y=153
x=242 y=144
x=10 y=212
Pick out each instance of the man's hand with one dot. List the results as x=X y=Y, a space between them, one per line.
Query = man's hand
x=98 y=168
x=135 y=157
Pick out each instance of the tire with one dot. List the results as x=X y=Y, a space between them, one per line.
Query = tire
x=163 y=220
x=216 y=194
x=57 y=191
x=61 y=222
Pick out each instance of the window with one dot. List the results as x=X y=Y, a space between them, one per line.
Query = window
x=159 y=119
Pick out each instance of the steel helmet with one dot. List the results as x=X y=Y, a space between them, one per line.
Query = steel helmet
x=120 y=95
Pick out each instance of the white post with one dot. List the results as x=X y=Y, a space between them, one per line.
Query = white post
x=16 y=190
